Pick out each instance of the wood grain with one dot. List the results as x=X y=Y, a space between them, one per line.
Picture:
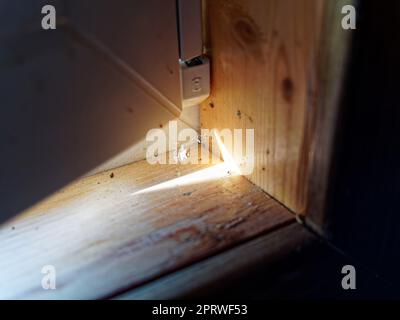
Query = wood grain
x=332 y=72
x=212 y=274
x=264 y=57
x=103 y=237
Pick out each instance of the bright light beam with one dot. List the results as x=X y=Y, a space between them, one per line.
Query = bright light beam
x=218 y=171
x=222 y=170
x=226 y=156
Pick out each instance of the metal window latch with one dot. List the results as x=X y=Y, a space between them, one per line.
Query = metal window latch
x=194 y=66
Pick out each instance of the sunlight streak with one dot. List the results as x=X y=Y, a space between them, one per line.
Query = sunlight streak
x=226 y=156
x=218 y=171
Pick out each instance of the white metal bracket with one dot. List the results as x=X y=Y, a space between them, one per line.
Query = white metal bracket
x=195 y=67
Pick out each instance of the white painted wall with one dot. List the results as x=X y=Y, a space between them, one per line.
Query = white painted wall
x=190 y=118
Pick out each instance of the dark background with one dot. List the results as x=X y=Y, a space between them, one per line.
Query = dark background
x=364 y=210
